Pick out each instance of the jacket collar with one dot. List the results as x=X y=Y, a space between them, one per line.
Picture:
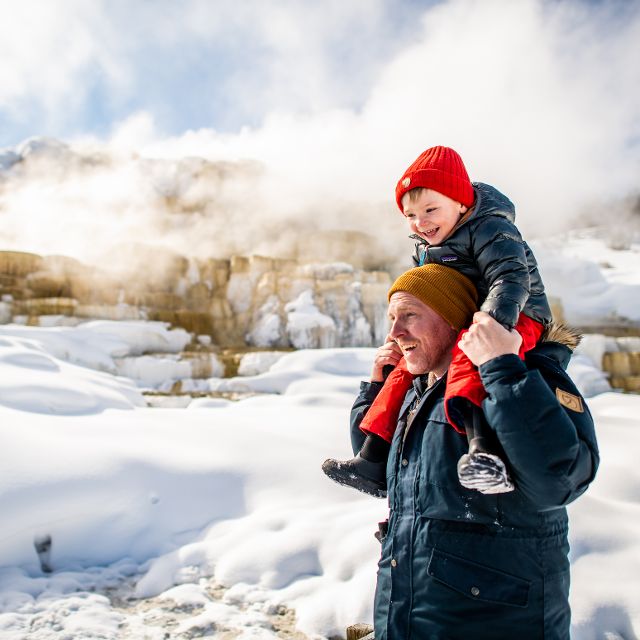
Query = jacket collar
x=560 y=353
x=558 y=343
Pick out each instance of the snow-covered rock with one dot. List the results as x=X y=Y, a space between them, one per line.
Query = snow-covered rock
x=255 y=363
x=232 y=302
x=307 y=328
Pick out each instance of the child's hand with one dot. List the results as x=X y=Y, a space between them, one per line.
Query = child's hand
x=388 y=354
x=487 y=339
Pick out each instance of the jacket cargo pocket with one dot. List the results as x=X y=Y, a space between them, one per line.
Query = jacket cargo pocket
x=477 y=581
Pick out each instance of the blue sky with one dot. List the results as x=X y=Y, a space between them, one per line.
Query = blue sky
x=72 y=67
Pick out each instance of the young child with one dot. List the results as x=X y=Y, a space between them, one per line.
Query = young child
x=467 y=226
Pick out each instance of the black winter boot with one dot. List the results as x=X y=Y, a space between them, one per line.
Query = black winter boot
x=482 y=469
x=363 y=475
x=367 y=472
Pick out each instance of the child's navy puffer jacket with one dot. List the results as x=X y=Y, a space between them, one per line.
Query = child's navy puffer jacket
x=488 y=248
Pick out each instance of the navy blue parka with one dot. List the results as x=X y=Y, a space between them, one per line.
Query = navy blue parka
x=458 y=564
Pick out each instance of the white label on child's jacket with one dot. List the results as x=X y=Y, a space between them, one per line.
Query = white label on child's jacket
x=570 y=401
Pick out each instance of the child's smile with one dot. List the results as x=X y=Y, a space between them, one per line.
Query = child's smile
x=432 y=215
x=428 y=234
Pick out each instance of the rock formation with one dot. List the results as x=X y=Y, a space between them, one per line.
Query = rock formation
x=252 y=300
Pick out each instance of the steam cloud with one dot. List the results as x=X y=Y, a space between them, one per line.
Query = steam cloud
x=541 y=99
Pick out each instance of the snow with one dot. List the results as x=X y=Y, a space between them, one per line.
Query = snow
x=258 y=362
x=95 y=344
x=597 y=284
x=118 y=348
x=588 y=377
x=266 y=329
x=111 y=485
x=216 y=518
x=35 y=381
x=153 y=372
x=306 y=326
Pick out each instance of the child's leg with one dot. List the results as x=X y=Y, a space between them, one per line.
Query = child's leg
x=482 y=468
x=367 y=470
x=463 y=379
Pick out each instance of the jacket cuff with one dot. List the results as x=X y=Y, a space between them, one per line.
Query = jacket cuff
x=505 y=366
x=369 y=390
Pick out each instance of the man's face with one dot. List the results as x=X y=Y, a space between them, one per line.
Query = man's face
x=425 y=337
x=432 y=216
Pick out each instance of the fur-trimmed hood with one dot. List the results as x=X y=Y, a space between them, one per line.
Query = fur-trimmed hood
x=558 y=342
x=562 y=334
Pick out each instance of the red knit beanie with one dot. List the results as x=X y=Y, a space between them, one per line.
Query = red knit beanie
x=440 y=169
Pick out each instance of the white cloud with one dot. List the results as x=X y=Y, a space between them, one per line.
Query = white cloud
x=541 y=99
x=72 y=60
x=51 y=52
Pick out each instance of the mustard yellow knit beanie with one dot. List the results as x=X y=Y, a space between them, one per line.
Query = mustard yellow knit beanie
x=450 y=294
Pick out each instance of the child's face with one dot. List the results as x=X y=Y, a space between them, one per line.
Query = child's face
x=432 y=216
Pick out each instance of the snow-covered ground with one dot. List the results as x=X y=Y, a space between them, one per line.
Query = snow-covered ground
x=225 y=489
x=597 y=278
x=215 y=519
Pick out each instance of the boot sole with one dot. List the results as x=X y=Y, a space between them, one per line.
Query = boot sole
x=484 y=472
x=348 y=479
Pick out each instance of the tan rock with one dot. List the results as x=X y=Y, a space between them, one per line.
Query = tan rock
x=198 y=297
x=289 y=288
x=65 y=265
x=630 y=384
x=239 y=264
x=159 y=300
x=109 y=312
x=193 y=321
x=46 y=307
x=260 y=264
x=19 y=263
x=95 y=288
x=44 y=284
x=266 y=287
x=621 y=363
x=215 y=271
x=219 y=309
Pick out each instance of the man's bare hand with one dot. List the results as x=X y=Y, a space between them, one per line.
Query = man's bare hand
x=487 y=339
x=388 y=354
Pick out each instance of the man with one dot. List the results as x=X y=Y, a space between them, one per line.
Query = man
x=457 y=563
